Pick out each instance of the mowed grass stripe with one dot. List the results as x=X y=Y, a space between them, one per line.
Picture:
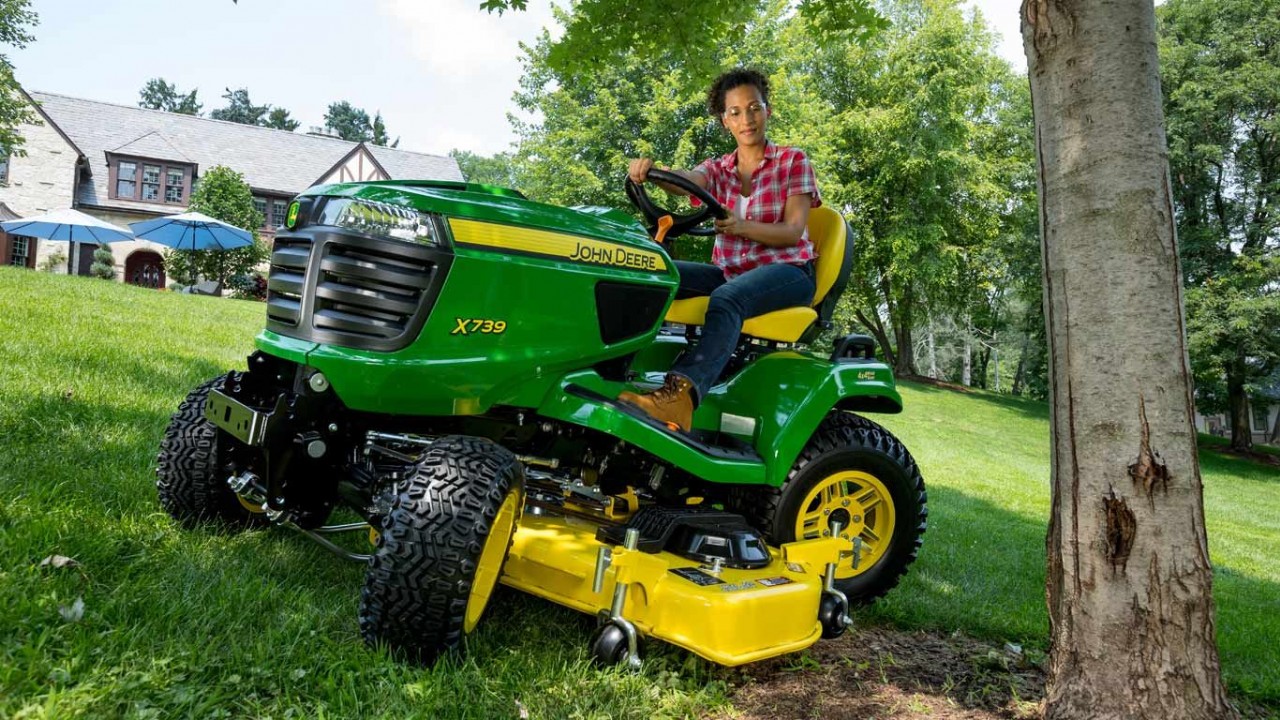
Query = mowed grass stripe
x=181 y=623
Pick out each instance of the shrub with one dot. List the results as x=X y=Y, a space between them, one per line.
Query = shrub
x=104 y=263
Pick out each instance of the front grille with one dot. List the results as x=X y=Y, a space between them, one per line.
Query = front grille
x=352 y=290
x=286 y=280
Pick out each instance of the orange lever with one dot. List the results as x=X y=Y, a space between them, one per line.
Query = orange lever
x=664 y=224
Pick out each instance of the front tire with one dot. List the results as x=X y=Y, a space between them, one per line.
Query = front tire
x=191 y=477
x=442 y=547
x=855 y=472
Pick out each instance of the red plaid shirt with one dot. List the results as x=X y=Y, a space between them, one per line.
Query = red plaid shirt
x=785 y=171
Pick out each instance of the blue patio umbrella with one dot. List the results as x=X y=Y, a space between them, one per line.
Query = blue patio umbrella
x=70 y=225
x=192 y=231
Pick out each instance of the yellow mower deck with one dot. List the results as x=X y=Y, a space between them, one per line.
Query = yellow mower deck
x=728 y=616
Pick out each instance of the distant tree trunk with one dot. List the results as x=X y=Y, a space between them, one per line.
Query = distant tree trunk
x=1129 y=580
x=906 y=364
x=933 y=354
x=1019 y=375
x=1238 y=403
x=877 y=328
x=966 y=372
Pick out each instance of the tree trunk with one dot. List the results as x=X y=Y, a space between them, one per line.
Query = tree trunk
x=1129 y=580
x=902 y=316
x=933 y=354
x=966 y=371
x=1238 y=402
x=882 y=337
x=1019 y=375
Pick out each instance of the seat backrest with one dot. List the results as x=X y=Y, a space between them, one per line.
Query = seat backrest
x=829 y=235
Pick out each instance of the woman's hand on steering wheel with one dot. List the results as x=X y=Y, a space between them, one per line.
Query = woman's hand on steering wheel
x=683 y=224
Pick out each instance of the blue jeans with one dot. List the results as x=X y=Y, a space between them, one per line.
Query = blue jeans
x=755 y=292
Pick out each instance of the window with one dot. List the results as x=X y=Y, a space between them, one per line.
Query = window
x=151 y=182
x=4 y=164
x=126 y=187
x=20 y=253
x=278 y=210
x=1260 y=414
x=174 y=182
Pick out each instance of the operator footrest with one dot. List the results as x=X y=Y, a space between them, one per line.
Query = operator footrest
x=694 y=533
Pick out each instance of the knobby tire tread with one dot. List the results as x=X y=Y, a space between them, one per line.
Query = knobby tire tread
x=419 y=580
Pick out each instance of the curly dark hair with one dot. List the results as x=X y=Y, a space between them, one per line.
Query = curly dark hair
x=727 y=81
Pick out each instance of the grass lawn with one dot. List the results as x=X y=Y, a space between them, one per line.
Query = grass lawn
x=199 y=624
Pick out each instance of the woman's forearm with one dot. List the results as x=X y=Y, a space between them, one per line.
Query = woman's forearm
x=778 y=235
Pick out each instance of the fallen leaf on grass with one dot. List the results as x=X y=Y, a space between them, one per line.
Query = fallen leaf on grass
x=522 y=711
x=58 y=561
x=73 y=613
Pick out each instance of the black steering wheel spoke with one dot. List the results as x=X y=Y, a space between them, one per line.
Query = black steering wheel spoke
x=687 y=223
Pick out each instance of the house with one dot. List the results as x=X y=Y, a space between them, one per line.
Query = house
x=1264 y=414
x=124 y=164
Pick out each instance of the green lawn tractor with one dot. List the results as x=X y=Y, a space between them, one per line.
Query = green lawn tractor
x=442 y=360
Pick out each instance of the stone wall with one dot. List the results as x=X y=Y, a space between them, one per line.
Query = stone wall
x=41 y=181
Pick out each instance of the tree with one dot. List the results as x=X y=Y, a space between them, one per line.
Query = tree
x=279 y=119
x=378 y=133
x=599 y=33
x=104 y=263
x=15 y=18
x=909 y=143
x=221 y=193
x=1221 y=66
x=158 y=94
x=240 y=110
x=498 y=170
x=349 y=122
x=1129 y=579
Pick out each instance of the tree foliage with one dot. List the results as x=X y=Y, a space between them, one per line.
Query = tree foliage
x=158 y=94
x=352 y=123
x=1220 y=62
x=498 y=170
x=223 y=194
x=279 y=119
x=240 y=109
x=599 y=33
x=16 y=19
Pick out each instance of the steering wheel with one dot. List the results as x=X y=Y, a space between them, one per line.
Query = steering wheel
x=686 y=224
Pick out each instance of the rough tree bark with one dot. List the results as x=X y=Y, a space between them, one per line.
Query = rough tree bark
x=1129 y=580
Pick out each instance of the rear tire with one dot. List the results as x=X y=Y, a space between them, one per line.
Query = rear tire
x=441 y=548
x=191 y=477
x=857 y=472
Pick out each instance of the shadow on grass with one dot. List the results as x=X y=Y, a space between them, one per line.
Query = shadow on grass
x=982 y=571
x=1036 y=409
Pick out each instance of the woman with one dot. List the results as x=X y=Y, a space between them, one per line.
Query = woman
x=762 y=256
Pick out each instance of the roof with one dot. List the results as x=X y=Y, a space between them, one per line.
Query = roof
x=270 y=160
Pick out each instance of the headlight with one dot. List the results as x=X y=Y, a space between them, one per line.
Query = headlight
x=382 y=219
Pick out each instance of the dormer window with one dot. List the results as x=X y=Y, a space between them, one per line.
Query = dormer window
x=149 y=181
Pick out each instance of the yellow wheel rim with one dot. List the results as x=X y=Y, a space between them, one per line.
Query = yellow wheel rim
x=861 y=503
x=491 y=557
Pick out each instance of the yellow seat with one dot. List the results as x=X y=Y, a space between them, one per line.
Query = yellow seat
x=829 y=235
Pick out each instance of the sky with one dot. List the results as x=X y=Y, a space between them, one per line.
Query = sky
x=441 y=72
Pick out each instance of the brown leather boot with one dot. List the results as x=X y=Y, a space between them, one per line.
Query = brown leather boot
x=672 y=403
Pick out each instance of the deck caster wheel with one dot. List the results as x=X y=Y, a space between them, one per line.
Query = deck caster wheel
x=609 y=647
x=831 y=616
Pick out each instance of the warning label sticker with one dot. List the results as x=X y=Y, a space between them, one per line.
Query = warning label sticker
x=774 y=581
x=697 y=577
